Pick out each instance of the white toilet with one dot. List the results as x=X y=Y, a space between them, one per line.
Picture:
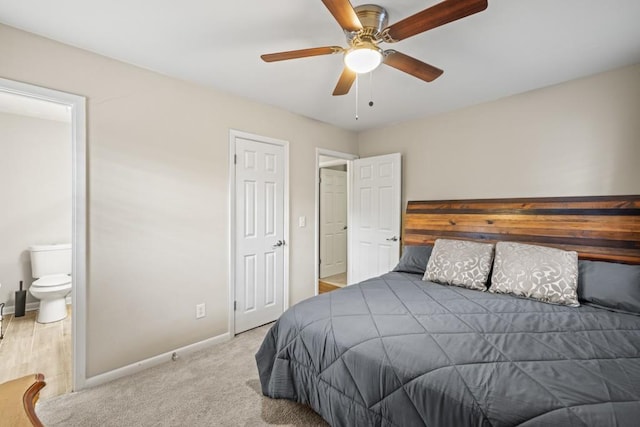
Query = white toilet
x=51 y=265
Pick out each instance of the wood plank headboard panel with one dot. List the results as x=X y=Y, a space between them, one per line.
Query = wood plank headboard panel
x=603 y=228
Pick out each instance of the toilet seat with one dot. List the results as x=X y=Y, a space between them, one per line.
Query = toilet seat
x=55 y=280
x=43 y=290
x=52 y=292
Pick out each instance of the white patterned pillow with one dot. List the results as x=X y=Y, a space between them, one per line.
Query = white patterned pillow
x=538 y=272
x=460 y=263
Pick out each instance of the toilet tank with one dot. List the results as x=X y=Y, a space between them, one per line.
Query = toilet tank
x=50 y=259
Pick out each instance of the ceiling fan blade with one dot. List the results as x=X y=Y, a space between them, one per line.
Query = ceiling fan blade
x=435 y=16
x=412 y=66
x=344 y=14
x=344 y=83
x=302 y=53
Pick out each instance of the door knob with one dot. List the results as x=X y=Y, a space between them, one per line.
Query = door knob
x=392 y=239
x=344 y=228
x=278 y=244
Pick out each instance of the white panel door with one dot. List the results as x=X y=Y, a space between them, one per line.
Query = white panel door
x=259 y=227
x=333 y=222
x=375 y=225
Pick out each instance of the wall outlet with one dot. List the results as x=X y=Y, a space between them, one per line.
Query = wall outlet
x=200 y=311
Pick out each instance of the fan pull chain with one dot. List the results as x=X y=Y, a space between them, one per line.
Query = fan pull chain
x=357 y=87
x=371 y=89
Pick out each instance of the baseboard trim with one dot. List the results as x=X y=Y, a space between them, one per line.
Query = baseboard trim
x=153 y=361
x=11 y=309
x=32 y=306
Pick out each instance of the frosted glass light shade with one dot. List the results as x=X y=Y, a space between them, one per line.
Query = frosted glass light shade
x=362 y=60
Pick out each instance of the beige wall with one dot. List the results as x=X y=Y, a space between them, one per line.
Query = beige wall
x=35 y=194
x=158 y=179
x=579 y=138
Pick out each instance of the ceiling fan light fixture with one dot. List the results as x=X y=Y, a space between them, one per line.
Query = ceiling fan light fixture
x=365 y=27
x=363 y=59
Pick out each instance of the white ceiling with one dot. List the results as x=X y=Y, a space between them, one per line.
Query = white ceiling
x=512 y=47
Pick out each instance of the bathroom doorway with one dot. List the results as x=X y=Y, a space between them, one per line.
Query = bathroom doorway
x=332 y=202
x=43 y=160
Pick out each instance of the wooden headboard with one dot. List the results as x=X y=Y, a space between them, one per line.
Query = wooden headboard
x=603 y=228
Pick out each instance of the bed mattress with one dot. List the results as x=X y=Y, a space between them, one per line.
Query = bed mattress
x=398 y=351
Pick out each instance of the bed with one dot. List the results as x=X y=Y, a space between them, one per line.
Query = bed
x=400 y=351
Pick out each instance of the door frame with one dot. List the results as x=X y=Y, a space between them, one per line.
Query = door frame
x=77 y=106
x=348 y=158
x=233 y=134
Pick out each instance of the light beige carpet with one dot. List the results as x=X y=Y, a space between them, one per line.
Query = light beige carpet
x=213 y=387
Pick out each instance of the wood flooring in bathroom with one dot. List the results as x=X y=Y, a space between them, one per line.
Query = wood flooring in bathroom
x=331 y=283
x=30 y=347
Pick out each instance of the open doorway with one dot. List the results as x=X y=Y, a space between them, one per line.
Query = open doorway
x=44 y=231
x=332 y=213
x=373 y=211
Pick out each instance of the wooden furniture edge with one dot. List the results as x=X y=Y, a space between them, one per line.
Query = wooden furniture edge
x=18 y=397
x=30 y=398
x=567 y=199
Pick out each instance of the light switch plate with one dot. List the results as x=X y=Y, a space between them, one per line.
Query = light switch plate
x=200 y=311
x=302 y=221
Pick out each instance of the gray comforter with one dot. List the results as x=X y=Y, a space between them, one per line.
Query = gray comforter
x=397 y=351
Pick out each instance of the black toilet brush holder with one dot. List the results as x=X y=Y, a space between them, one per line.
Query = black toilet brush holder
x=21 y=302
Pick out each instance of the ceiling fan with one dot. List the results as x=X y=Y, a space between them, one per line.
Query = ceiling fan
x=366 y=27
